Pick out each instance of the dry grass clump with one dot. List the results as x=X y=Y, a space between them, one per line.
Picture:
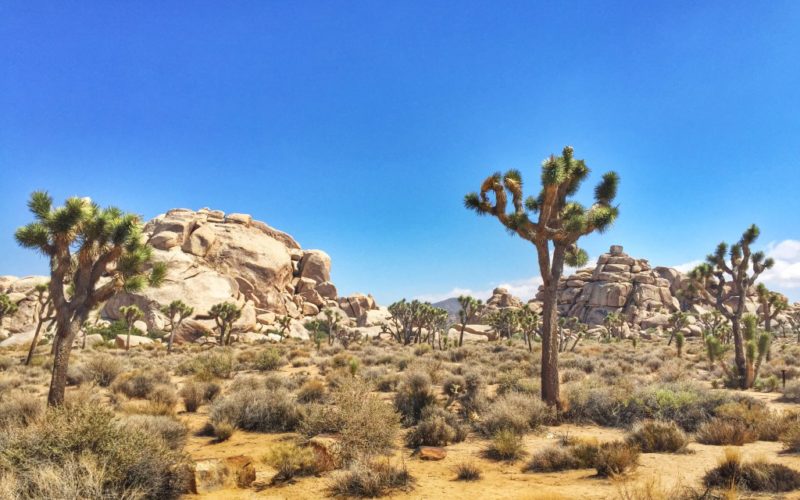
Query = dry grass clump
x=437 y=427
x=553 y=459
x=371 y=479
x=517 y=412
x=139 y=383
x=413 y=395
x=97 y=458
x=195 y=394
x=791 y=437
x=609 y=459
x=721 y=431
x=313 y=391
x=19 y=409
x=615 y=458
x=170 y=430
x=505 y=445
x=261 y=410
x=758 y=475
x=222 y=431
x=102 y=369
x=268 y=360
x=6 y=362
x=291 y=461
x=653 y=436
x=792 y=392
x=467 y=471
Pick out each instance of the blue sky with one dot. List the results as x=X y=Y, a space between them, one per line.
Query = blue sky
x=358 y=126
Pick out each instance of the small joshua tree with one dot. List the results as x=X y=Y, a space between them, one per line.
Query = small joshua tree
x=44 y=313
x=85 y=243
x=677 y=322
x=471 y=309
x=714 y=324
x=530 y=324
x=724 y=280
x=7 y=308
x=555 y=228
x=333 y=321
x=679 y=340
x=504 y=322
x=176 y=312
x=756 y=347
x=614 y=323
x=130 y=315
x=316 y=328
x=772 y=304
x=284 y=323
x=225 y=315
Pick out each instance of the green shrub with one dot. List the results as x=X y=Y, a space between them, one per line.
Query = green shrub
x=437 y=427
x=505 y=445
x=291 y=461
x=217 y=363
x=103 y=369
x=268 y=360
x=517 y=412
x=413 y=395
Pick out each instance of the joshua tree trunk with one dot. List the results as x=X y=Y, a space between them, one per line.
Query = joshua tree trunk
x=171 y=338
x=550 y=384
x=738 y=344
x=461 y=335
x=34 y=342
x=65 y=335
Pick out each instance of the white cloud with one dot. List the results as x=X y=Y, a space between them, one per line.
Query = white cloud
x=687 y=266
x=785 y=274
x=524 y=289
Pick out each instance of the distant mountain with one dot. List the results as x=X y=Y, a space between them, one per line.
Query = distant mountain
x=451 y=306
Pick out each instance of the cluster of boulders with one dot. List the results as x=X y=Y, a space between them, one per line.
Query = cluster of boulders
x=22 y=292
x=502 y=299
x=212 y=257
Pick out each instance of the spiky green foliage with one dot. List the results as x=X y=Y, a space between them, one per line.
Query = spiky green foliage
x=130 y=315
x=409 y=320
x=176 y=312
x=85 y=243
x=677 y=322
x=470 y=311
x=772 y=304
x=225 y=315
x=7 y=308
x=554 y=224
x=724 y=280
x=504 y=322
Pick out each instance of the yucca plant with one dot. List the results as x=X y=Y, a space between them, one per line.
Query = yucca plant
x=225 y=315
x=553 y=224
x=85 y=243
x=724 y=279
x=470 y=311
x=176 y=312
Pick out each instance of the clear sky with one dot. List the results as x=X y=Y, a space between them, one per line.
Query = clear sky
x=358 y=127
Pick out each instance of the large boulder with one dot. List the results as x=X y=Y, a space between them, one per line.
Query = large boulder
x=315 y=265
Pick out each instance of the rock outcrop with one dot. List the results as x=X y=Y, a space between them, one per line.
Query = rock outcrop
x=502 y=299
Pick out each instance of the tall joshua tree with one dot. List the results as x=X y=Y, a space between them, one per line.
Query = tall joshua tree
x=176 y=312
x=724 y=280
x=470 y=311
x=7 y=308
x=84 y=244
x=130 y=315
x=553 y=224
x=44 y=311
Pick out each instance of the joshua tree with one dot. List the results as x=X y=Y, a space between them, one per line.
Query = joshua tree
x=554 y=229
x=679 y=339
x=677 y=322
x=725 y=284
x=316 y=328
x=470 y=311
x=130 y=315
x=530 y=323
x=614 y=323
x=225 y=315
x=772 y=304
x=504 y=322
x=284 y=322
x=44 y=313
x=756 y=347
x=7 y=308
x=84 y=243
x=713 y=324
x=333 y=321
x=176 y=311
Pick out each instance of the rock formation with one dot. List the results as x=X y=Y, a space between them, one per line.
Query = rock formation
x=502 y=299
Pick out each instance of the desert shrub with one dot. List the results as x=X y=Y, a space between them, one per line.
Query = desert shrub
x=164 y=395
x=313 y=391
x=758 y=475
x=85 y=445
x=371 y=479
x=572 y=375
x=422 y=349
x=103 y=369
x=454 y=386
x=553 y=459
x=721 y=431
x=217 y=363
x=517 y=412
x=268 y=360
x=222 y=431
x=262 y=410
x=505 y=445
x=195 y=394
x=765 y=424
x=170 y=430
x=792 y=392
x=387 y=383
x=413 y=395
x=615 y=458
x=515 y=381
x=291 y=461
x=791 y=437
x=6 y=362
x=653 y=436
x=467 y=471
x=437 y=427
x=139 y=383
x=19 y=409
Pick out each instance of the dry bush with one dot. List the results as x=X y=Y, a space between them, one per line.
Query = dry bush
x=758 y=475
x=82 y=450
x=217 y=363
x=291 y=461
x=553 y=459
x=437 y=427
x=413 y=395
x=170 y=430
x=371 y=480
x=261 y=410
x=792 y=392
x=195 y=394
x=725 y=432
x=517 y=412
x=222 y=431
x=467 y=471
x=139 y=383
x=791 y=437
x=103 y=369
x=505 y=445
x=615 y=458
x=268 y=360
x=313 y=391
x=19 y=409
x=653 y=436
x=767 y=425
x=6 y=362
